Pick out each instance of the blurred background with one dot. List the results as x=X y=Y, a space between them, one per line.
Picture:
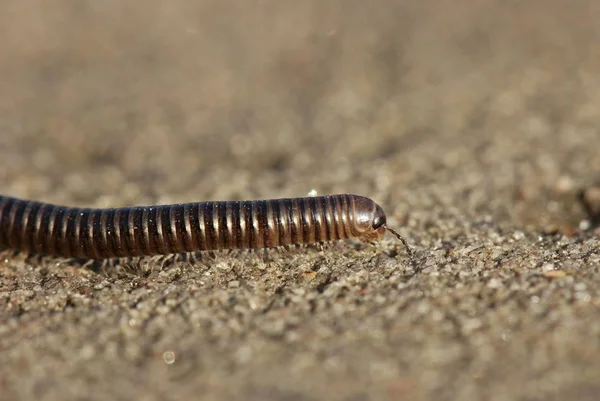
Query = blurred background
x=454 y=115
x=128 y=102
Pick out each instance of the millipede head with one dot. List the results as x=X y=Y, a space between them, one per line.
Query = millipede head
x=378 y=222
x=372 y=222
x=380 y=226
x=369 y=219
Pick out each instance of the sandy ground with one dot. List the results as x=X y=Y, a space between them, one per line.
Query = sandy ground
x=474 y=124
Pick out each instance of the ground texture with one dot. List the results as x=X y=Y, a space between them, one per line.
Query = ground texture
x=473 y=123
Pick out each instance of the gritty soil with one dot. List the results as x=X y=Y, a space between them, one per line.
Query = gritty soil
x=473 y=123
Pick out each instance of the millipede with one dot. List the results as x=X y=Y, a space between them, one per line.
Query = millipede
x=87 y=233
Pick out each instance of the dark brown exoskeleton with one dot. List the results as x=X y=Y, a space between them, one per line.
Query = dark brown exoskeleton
x=167 y=229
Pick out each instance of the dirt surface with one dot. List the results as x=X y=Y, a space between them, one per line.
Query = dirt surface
x=473 y=123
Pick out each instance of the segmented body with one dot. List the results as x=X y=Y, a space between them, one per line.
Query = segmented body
x=166 y=229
